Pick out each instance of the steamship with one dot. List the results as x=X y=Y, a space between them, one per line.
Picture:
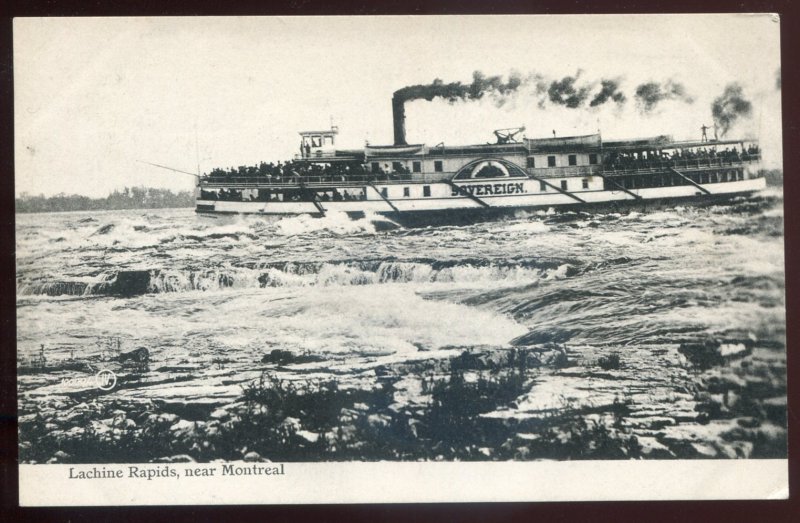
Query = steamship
x=421 y=184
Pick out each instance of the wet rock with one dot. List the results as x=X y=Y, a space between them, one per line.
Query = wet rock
x=74 y=433
x=703 y=355
x=378 y=420
x=748 y=422
x=776 y=409
x=253 y=457
x=285 y=357
x=735 y=449
x=292 y=424
x=766 y=433
x=725 y=383
x=219 y=414
x=105 y=229
x=713 y=352
x=348 y=416
x=183 y=428
x=178 y=458
x=27 y=418
x=649 y=447
x=126 y=283
x=522 y=453
x=705 y=450
x=309 y=436
x=73 y=417
x=166 y=417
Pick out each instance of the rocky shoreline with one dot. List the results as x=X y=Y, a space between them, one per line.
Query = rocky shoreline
x=712 y=398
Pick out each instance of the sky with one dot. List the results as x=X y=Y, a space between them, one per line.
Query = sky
x=96 y=97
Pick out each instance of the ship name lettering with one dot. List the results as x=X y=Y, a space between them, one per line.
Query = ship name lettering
x=489 y=189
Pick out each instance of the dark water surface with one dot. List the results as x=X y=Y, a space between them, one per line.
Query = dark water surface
x=601 y=303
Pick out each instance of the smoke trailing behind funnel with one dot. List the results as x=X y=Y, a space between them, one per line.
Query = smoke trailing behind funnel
x=649 y=95
x=609 y=90
x=565 y=92
x=729 y=107
x=480 y=86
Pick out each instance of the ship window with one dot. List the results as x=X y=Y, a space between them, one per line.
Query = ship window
x=426 y=190
x=316 y=141
x=437 y=166
x=397 y=167
x=573 y=159
x=563 y=185
x=740 y=175
x=385 y=192
x=406 y=192
x=593 y=159
x=551 y=161
x=585 y=183
x=417 y=166
x=542 y=186
x=328 y=140
x=531 y=163
x=376 y=167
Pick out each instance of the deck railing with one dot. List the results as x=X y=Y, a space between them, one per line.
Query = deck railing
x=327 y=180
x=645 y=166
x=642 y=167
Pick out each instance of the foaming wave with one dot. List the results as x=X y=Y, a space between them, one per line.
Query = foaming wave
x=128 y=283
x=381 y=321
x=333 y=222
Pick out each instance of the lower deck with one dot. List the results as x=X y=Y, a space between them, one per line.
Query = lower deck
x=400 y=198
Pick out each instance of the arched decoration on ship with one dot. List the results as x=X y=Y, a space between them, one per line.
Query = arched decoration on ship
x=489 y=169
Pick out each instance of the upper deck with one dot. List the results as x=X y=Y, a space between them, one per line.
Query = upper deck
x=319 y=163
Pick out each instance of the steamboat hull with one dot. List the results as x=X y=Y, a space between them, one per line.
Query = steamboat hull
x=452 y=208
x=418 y=184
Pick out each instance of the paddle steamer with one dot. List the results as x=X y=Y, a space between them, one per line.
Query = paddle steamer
x=417 y=183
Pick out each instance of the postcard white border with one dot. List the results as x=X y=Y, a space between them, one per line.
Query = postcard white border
x=314 y=483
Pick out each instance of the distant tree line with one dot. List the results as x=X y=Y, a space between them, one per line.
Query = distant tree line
x=128 y=198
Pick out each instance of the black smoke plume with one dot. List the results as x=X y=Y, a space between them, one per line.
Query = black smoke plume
x=480 y=86
x=609 y=90
x=650 y=94
x=565 y=92
x=729 y=107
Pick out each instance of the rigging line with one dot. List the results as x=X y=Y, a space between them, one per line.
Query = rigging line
x=169 y=168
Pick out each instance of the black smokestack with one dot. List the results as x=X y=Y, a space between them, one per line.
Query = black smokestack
x=729 y=107
x=650 y=94
x=399 y=119
x=452 y=92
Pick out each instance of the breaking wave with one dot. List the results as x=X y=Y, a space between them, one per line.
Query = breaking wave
x=129 y=283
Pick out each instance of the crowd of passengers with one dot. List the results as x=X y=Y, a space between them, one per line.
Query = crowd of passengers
x=294 y=171
x=649 y=159
x=285 y=195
